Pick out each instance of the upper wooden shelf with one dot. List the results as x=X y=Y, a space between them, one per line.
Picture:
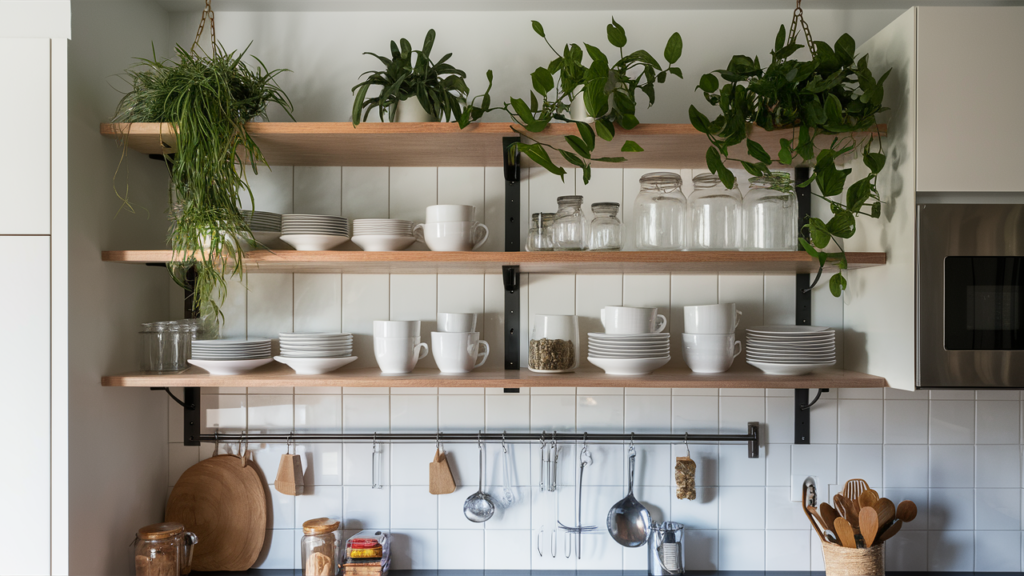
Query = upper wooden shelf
x=274 y=374
x=441 y=144
x=419 y=262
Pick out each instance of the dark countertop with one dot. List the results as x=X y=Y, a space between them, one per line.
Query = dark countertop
x=257 y=572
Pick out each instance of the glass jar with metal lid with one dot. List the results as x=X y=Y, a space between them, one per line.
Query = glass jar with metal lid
x=539 y=239
x=569 y=229
x=322 y=547
x=163 y=549
x=605 y=228
x=659 y=212
x=715 y=214
x=770 y=214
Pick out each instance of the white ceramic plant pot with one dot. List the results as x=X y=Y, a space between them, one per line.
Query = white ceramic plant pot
x=578 y=109
x=410 y=110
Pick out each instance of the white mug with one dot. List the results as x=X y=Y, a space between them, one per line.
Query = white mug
x=450 y=213
x=398 y=355
x=456 y=322
x=396 y=328
x=451 y=236
x=710 y=353
x=458 y=352
x=632 y=320
x=711 y=319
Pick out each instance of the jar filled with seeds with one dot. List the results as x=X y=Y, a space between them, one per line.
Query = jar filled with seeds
x=554 y=343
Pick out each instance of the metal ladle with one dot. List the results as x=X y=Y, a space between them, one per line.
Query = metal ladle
x=629 y=522
x=479 y=507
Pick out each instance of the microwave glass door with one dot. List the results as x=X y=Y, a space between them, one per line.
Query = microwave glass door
x=984 y=303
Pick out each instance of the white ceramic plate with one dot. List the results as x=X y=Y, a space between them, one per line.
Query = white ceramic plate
x=290 y=335
x=628 y=366
x=313 y=242
x=230 y=341
x=788 y=341
x=792 y=359
x=788 y=369
x=230 y=367
x=383 y=243
x=649 y=353
x=311 y=366
x=784 y=330
x=621 y=346
x=628 y=338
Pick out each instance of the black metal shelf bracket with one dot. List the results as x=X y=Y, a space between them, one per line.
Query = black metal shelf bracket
x=510 y=274
x=191 y=425
x=801 y=408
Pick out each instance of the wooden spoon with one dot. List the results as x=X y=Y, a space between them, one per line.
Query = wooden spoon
x=853 y=488
x=851 y=511
x=845 y=533
x=868 y=525
x=906 y=511
x=891 y=531
x=886 y=511
x=829 y=515
x=807 y=512
x=867 y=498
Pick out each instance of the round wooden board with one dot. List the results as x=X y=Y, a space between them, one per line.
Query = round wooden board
x=223 y=502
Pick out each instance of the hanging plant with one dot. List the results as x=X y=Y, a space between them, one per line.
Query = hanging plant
x=439 y=87
x=609 y=91
x=833 y=94
x=206 y=100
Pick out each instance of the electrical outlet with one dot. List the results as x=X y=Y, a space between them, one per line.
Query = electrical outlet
x=796 y=485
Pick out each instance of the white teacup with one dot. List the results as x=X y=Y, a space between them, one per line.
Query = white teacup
x=711 y=319
x=458 y=352
x=632 y=320
x=451 y=236
x=396 y=328
x=456 y=322
x=398 y=355
x=450 y=213
x=710 y=353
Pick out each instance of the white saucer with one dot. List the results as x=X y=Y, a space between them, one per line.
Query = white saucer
x=787 y=369
x=382 y=243
x=311 y=366
x=628 y=366
x=229 y=367
x=313 y=242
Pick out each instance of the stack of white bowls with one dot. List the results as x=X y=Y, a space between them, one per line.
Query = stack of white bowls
x=382 y=234
x=311 y=232
x=632 y=343
x=317 y=353
x=265 y=227
x=709 y=337
x=230 y=357
x=791 y=350
x=456 y=344
x=397 y=346
x=451 y=228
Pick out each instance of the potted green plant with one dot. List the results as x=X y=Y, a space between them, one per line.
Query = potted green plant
x=833 y=95
x=414 y=88
x=597 y=97
x=206 y=100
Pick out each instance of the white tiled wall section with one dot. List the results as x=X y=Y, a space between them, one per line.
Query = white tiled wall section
x=956 y=454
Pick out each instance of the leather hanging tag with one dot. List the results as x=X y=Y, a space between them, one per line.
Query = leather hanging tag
x=441 y=479
x=289 y=475
x=686 y=478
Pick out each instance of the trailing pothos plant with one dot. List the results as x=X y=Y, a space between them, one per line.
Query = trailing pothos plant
x=833 y=94
x=206 y=100
x=438 y=86
x=608 y=89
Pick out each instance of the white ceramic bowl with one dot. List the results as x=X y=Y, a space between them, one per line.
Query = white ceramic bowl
x=628 y=366
x=313 y=242
x=382 y=242
x=788 y=369
x=229 y=367
x=311 y=366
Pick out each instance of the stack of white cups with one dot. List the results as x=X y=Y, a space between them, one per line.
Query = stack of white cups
x=397 y=346
x=709 y=340
x=456 y=344
x=451 y=228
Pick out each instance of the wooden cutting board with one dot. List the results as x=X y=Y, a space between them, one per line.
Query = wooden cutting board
x=223 y=502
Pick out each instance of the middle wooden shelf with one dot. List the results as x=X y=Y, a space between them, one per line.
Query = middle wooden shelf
x=421 y=262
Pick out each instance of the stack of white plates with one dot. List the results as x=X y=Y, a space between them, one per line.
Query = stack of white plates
x=382 y=234
x=790 y=350
x=316 y=353
x=629 y=354
x=230 y=357
x=265 y=227
x=314 y=231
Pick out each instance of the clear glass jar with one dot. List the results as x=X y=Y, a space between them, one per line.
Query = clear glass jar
x=539 y=239
x=605 y=228
x=322 y=547
x=569 y=229
x=163 y=549
x=659 y=212
x=770 y=214
x=715 y=215
x=554 y=343
x=166 y=346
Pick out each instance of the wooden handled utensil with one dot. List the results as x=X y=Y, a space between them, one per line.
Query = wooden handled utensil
x=867 y=498
x=853 y=488
x=807 y=512
x=845 y=533
x=868 y=525
x=851 y=510
x=829 y=515
x=906 y=511
x=886 y=511
x=817 y=516
x=891 y=531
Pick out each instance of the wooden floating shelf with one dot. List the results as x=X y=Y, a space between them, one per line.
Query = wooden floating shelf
x=274 y=374
x=443 y=144
x=421 y=262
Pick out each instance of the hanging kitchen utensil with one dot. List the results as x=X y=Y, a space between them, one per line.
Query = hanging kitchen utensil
x=508 y=495
x=686 y=475
x=586 y=459
x=479 y=507
x=553 y=464
x=543 y=468
x=289 y=473
x=441 y=479
x=629 y=521
x=222 y=501
x=906 y=511
x=376 y=465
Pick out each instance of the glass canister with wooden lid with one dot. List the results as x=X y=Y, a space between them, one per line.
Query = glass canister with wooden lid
x=163 y=549
x=322 y=547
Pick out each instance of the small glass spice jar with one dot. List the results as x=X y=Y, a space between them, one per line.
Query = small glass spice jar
x=163 y=549
x=715 y=213
x=539 y=239
x=605 y=228
x=322 y=547
x=770 y=213
x=569 y=229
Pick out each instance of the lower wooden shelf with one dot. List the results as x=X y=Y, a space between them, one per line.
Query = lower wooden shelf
x=274 y=374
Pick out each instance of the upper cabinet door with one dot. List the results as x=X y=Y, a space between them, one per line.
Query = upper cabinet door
x=970 y=82
x=25 y=145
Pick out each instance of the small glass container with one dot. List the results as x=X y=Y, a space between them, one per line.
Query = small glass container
x=770 y=216
x=659 y=212
x=166 y=346
x=539 y=239
x=569 y=229
x=605 y=228
x=715 y=214
x=554 y=343
x=321 y=546
x=163 y=549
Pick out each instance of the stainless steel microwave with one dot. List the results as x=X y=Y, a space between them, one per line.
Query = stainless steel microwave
x=970 y=295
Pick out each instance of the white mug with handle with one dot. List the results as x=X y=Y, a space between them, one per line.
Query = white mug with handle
x=451 y=236
x=632 y=320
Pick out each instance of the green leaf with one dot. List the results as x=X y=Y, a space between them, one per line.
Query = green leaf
x=623 y=103
x=674 y=49
x=780 y=38
x=820 y=236
x=428 y=43
x=630 y=146
x=605 y=129
x=842 y=225
x=538 y=154
x=785 y=152
x=858 y=194
x=808 y=248
x=675 y=72
x=876 y=210
x=586 y=174
x=714 y=160
x=543 y=82
x=836 y=284
x=845 y=48
x=572 y=158
x=587 y=133
x=614 y=159
x=538 y=29
x=758 y=152
x=814 y=113
x=874 y=161
x=754 y=169
x=727 y=178
x=523 y=111
x=357 y=105
x=708 y=83
x=629 y=121
x=578 y=145
x=699 y=121
x=616 y=34
x=833 y=109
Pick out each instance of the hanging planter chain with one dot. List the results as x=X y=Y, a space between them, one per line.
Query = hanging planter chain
x=213 y=29
x=798 y=16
